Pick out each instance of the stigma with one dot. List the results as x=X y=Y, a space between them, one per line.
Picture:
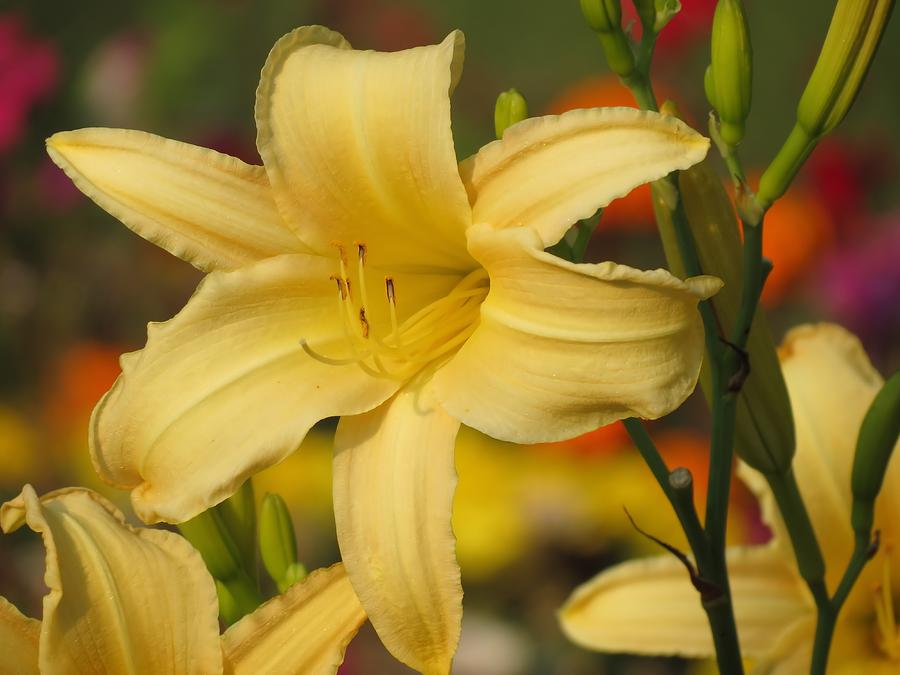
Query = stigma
x=395 y=344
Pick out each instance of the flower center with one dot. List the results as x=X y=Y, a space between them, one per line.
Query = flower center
x=399 y=349
x=887 y=635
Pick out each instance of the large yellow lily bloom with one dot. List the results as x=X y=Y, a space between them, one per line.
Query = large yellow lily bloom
x=361 y=272
x=649 y=606
x=126 y=600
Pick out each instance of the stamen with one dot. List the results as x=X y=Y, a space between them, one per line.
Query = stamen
x=343 y=286
x=392 y=308
x=361 y=272
x=361 y=249
x=888 y=638
x=364 y=322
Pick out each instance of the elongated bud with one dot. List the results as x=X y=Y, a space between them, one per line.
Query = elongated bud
x=729 y=79
x=605 y=18
x=277 y=542
x=646 y=11
x=209 y=535
x=876 y=442
x=853 y=36
x=511 y=108
x=238 y=515
x=764 y=427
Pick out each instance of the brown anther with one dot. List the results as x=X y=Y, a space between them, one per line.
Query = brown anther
x=343 y=286
x=349 y=288
x=340 y=249
x=362 y=250
x=389 y=287
x=364 y=321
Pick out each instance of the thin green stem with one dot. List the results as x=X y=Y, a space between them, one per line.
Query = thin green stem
x=685 y=511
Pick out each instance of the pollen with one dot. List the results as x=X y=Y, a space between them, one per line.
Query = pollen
x=386 y=346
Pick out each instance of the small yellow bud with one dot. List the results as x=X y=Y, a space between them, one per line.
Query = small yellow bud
x=603 y=16
x=876 y=442
x=511 y=108
x=729 y=79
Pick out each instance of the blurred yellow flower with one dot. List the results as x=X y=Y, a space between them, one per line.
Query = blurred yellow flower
x=126 y=600
x=18 y=456
x=361 y=272
x=649 y=606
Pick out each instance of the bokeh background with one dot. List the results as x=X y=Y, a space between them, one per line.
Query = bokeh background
x=77 y=288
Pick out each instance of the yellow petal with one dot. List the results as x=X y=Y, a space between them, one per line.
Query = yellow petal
x=831 y=383
x=19 y=636
x=650 y=607
x=121 y=600
x=305 y=630
x=546 y=173
x=563 y=349
x=358 y=147
x=209 y=209
x=393 y=488
x=225 y=389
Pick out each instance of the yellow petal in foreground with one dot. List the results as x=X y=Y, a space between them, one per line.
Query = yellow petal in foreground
x=305 y=630
x=358 y=147
x=228 y=379
x=562 y=348
x=212 y=210
x=121 y=600
x=19 y=637
x=549 y=172
x=393 y=486
x=650 y=606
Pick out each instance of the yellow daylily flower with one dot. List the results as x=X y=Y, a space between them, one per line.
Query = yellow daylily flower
x=126 y=600
x=649 y=606
x=361 y=272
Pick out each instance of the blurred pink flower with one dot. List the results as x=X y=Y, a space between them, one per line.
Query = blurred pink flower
x=28 y=73
x=115 y=78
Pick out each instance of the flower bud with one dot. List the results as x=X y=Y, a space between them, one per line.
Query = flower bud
x=209 y=535
x=510 y=108
x=853 y=36
x=277 y=542
x=764 y=427
x=605 y=18
x=646 y=11
x=876 y=442
x=238 y=515
x=729 y=79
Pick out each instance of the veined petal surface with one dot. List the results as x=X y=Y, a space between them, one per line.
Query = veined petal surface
x=358 y=147
x=121 y=600
x=649 y=606
x=563 y=349
x=304 y=630
x=394 y=479
x=546 y=173
x=225 y=389
x=19 y=638
x=212 y=210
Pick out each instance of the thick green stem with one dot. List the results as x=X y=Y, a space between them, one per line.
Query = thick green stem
x=810 y=562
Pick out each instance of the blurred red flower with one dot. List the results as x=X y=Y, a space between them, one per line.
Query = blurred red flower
x=29 y=70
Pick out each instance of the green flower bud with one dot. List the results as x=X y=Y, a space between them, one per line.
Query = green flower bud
x=853 y=36
x=876 y=442
x=209 y=535
x=730 y=75
x=665 y=12
x=277 y=542
x=646 y=11
x=238 y=515
x=511 y=108
x=764 y=426
x=603 y=16
x=295 y=573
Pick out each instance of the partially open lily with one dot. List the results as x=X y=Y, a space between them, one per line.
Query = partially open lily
x=361 y=272
x=126 y=600
x=650 y=606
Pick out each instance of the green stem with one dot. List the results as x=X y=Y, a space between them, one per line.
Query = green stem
x=810 y=562
x=684 y=509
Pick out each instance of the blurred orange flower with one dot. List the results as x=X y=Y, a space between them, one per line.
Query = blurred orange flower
x=82 y=375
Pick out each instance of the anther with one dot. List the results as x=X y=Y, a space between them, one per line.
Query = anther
x=364 y=321
x=343 y=286
x=362 y=251
x=389 y=287
x=341 y=252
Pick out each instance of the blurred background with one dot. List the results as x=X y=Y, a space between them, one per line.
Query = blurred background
x=77 y=288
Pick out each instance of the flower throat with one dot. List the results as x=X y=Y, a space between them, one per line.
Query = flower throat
x=401 y=349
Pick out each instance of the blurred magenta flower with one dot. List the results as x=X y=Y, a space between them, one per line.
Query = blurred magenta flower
x=29 y=69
